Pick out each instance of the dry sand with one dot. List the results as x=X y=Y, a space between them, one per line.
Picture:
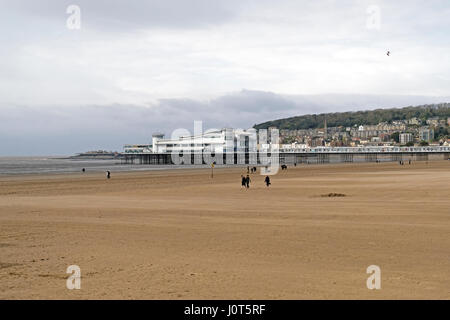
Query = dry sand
x=182 y=235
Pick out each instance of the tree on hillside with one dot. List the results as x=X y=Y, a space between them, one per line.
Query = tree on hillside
x=396 y=137
x=349 y=119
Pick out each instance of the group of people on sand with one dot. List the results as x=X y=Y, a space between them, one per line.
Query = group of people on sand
x=402 y=163
x=245 y=181
x=251 y=170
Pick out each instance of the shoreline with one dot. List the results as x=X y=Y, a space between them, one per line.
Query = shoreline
x=137 y=168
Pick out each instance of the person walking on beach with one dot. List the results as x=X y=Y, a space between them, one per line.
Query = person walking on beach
x=267 y=181
x=243 y=181
x=108 y=174
x=84 y=170
x=247 y=181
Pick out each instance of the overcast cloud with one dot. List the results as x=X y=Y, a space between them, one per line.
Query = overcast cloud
x=136 y=67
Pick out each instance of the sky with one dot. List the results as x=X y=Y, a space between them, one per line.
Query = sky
x=121 y=70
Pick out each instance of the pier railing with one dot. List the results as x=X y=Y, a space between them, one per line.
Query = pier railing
x=424 y=149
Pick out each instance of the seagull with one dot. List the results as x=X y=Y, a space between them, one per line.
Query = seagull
x=388 y=53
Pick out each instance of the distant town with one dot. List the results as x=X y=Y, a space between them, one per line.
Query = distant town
x=426 y=128
x=411 y=132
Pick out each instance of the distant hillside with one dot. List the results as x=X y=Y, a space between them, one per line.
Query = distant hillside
x=348 y=119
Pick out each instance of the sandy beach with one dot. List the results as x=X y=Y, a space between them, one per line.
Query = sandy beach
x=182 y=235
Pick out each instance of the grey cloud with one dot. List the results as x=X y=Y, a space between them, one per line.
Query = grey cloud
x=254 y=101
x=123 y=15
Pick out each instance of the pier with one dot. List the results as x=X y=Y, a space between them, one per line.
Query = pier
x=295 y=156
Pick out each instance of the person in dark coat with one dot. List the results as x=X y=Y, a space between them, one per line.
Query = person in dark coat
x=267 y=181
x=247 y=181
x=243 y=181
x=108 y=174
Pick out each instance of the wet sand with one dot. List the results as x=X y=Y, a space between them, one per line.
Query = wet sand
x=182 y=235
